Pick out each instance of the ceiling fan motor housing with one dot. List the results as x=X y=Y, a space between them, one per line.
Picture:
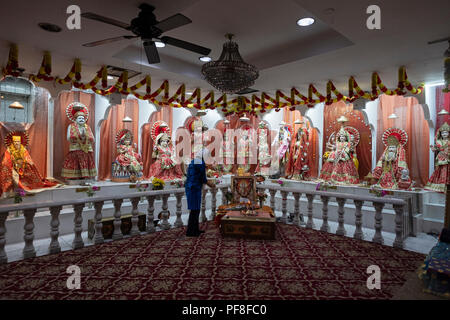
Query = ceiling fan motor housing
x=143 y=25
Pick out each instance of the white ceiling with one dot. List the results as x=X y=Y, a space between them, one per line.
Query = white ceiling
x=337 y=46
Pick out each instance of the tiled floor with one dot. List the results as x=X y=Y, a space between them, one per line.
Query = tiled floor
x=422 y=243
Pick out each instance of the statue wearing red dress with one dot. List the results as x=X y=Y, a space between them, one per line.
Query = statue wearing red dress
x=18 y=170
x=391 y=170
x=298 y=163
x=440 y=177
x=165 y=167
x=264 y=157
x=80 y=161
x=341 y=164
x=128 y=163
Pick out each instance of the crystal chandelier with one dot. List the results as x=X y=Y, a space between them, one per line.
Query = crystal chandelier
x=230 y=74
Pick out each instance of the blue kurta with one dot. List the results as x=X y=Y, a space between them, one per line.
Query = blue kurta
x=196 y=177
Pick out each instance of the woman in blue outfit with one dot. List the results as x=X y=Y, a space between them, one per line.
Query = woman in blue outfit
x=196 y=178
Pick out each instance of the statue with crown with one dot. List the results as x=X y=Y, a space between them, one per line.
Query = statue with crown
x=128 y=164
x=440 y=177
x=18 y=170
x=298 y=162
x=340 y=165
x=391 y=171
x=165 y=166
x=79 y=163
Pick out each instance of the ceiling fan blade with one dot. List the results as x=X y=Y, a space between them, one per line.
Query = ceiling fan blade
x=175 y=21
x=186 y=45
x=247 y=91
x=151 y=52
x=109 y=40
x=96 y=17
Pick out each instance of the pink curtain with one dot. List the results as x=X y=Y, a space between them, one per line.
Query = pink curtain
x=109 y=129
x=412 y=120
x=165 y=114
x=61 y=122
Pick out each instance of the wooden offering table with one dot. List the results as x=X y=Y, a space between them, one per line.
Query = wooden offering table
x=259 y=224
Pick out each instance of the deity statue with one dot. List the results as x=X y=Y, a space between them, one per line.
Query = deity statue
x=18 y=170
x=245 y=142
x=440 y=178
x=391 y=170
x=264 y=158
x=80 y=161
x=128 y=164
x=165 y=167
x=228 y=149
x=298 y=164
x=341 y=164
x=284 y=140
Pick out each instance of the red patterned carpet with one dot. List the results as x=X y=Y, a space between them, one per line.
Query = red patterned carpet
x=300 y=264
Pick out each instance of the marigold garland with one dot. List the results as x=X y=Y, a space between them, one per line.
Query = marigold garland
x=255 y=105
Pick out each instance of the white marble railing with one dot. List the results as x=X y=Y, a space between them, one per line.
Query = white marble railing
x=29 y=210
x=341 y=198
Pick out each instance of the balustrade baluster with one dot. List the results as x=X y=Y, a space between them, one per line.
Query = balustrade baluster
x=296 y=208
x=358 y=220
x=310 y=222
x=203 y=211
x=341 y=228
x=213 y=203
x=117 y=234
x=261 y=200
x=272 y=198
x=28 y=250
x=78 y=220
x=179 y=222
x=399 y=211
x=378 y=237
x=165 y=225
x=284 y=195
x=3 y=256
x=54 y=233
x=224 y=197
x=150 y=214
x=135 y=216
x=98 y=237
x=325 y=227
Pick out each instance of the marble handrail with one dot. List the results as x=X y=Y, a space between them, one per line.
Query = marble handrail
x=341 y=198
x=55 y=203
x=30 y=209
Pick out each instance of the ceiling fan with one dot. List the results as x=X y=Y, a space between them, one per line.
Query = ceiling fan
x=146 y=27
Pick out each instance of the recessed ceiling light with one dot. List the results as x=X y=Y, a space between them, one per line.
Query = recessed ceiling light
x=189 y=93
x=109 y=77
x=205 y=59
x=303 y=22
x=160 y=44
x=49 y=27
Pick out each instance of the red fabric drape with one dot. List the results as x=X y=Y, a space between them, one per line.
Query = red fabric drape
x=412 y=120
x=442 y=103
x=37 y=131
x=290 y=117
x=61 y=122
x=364 y=148
x=109 y=129
x=165 y=114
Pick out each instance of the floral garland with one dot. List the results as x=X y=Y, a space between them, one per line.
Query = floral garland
x=240 y=105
